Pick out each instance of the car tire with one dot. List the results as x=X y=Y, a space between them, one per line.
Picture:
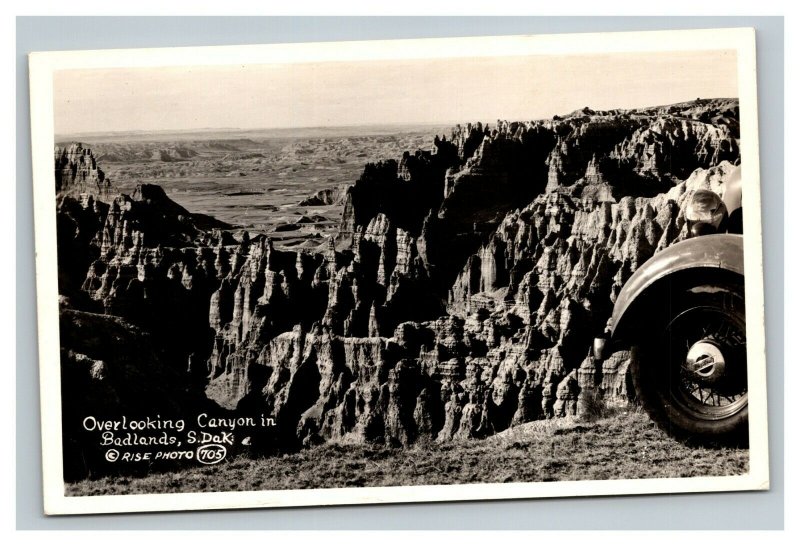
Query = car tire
x=690 y=373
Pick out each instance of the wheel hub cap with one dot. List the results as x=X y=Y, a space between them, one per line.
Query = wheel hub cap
x=705 y=362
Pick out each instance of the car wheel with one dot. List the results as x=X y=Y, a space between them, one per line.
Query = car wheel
x=690 y=375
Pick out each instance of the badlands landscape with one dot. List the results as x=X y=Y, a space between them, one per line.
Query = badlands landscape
x=263 y=181
x=405 y=289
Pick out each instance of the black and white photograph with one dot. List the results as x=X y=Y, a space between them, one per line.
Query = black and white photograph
x=398 y=271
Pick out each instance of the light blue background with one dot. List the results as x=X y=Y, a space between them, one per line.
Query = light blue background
x=743 y=510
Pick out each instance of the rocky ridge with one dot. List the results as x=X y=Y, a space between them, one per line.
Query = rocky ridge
x=459 y=297
x=330 y=196
x=76 y=172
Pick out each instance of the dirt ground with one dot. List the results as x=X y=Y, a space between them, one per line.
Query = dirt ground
x=624 y=445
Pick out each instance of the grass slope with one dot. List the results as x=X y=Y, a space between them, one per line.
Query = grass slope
x=625 y=445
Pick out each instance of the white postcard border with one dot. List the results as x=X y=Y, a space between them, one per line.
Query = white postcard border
x=42 y=67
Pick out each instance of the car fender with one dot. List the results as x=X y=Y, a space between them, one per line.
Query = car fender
x=712 y=254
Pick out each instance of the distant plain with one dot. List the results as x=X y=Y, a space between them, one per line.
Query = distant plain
x=254 y=180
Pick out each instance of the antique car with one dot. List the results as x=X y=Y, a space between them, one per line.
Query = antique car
x=682 y=314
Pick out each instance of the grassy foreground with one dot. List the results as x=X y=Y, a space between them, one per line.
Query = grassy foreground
x=625 y=445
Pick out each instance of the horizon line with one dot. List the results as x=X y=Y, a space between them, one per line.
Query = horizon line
x=356 y=125
x=276 y=128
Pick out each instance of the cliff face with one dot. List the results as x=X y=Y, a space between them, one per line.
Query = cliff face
x=459 y=297
x=472 y=278
x=146 y=259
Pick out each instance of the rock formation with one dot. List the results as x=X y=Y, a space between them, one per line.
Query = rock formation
x=459 y=297
x=77 y=172
x=329 y=196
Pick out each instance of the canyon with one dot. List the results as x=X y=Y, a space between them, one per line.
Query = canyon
x=457 y=296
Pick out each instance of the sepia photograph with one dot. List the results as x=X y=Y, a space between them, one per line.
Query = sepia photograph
x=399 y=271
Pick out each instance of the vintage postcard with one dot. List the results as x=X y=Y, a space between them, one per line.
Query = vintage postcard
x=399 y=271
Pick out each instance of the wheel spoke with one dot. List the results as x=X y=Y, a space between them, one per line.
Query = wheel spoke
x=711 y=385
x=700 y=382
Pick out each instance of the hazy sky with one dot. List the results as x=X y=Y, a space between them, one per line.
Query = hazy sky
x=378 y=92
